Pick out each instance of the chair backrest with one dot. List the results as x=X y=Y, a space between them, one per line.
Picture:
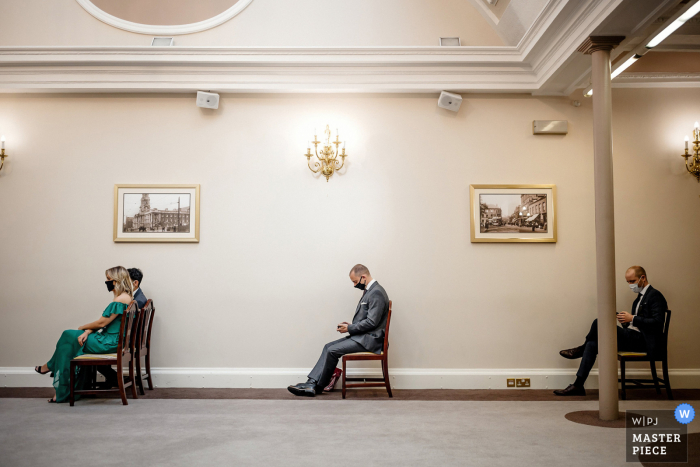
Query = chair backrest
x=666 y=323
x=128 y=330
x=386 y=331
x=147 y=313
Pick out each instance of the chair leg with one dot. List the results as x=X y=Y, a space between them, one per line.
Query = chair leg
x=664 y=366
x=132 y=377
x=120 y=380
x=652 y=364
x=148 y=370
x=139 y=379
x=385 y=372
x=622 y=379
x=343 y=376
x=72 y=384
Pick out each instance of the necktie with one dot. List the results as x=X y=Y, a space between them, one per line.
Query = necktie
x=634 y=305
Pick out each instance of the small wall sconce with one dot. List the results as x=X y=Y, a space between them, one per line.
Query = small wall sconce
x=2 y=151
x=694 y=166
x=328 y=160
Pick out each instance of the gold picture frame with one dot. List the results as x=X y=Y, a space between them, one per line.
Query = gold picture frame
x=533 y=220
x=156 y=224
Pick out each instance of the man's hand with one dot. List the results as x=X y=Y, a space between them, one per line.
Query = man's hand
x=83 y=337
x=343 y=327
x=624 y=317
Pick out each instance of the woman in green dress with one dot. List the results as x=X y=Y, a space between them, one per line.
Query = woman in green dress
x=84 y=340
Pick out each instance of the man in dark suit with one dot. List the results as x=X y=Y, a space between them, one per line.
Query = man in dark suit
x=366 y=333
x=641 y=330
x=136 y=278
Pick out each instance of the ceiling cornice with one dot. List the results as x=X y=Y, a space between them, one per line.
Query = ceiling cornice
x=550 y=42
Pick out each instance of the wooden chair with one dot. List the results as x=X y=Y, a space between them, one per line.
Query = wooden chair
x=125 y=354
x=143 y=345
x=662 y=354
x=383 y=357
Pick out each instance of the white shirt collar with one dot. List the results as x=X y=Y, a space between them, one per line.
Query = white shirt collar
x=644 y=290
x=137 y=289
x=370 y=284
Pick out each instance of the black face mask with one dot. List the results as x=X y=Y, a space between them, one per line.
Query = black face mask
x=360 y=285
x=110 y=285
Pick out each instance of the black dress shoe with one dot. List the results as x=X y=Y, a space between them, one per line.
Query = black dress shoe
x=573 y=354
x=304 y=390
x=571 y=390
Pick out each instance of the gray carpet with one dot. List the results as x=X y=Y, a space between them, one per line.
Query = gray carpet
x=310 y=432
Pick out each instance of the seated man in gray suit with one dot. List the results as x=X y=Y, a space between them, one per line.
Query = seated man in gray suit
x=136 y=278
x=366 y=333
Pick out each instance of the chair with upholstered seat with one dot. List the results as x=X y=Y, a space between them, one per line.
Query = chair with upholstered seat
x=143 y=346
x=383 y=358
x=125 y=354
x=661 y=354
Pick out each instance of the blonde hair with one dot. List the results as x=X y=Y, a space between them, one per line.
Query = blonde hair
x=120 y=275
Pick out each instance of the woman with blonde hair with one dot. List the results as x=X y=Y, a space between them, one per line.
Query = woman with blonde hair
x=83 y=340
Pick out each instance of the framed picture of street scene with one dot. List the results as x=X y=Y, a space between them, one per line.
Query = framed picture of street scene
x=513 y=213
x=156 y=213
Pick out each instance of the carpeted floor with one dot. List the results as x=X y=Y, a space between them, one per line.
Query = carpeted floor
x=308 y=432
x=380 y=394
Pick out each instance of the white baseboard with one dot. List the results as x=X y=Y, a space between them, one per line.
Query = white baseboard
x=401 y=378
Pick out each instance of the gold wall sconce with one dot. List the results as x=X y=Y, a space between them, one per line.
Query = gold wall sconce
x=2 y=151
x=694 y=166
x=328 y=160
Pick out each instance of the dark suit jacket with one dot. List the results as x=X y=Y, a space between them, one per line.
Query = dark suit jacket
x=140 y=298
x=369 y=323
x=650 y=320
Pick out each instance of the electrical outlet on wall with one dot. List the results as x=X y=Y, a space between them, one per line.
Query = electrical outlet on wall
x=510 y=382
x=522 y=383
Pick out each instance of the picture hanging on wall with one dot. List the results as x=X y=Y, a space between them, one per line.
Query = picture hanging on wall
x=513 y=213
x=156 y=213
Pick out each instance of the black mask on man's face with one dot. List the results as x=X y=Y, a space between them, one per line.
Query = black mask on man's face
x=360 y=285
x=110 y=285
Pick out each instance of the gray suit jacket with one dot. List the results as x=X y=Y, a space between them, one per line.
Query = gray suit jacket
x=140 y=298
x=369 y=323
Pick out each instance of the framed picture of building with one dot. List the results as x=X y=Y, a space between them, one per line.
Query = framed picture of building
x=513 y=213
x=156 y=213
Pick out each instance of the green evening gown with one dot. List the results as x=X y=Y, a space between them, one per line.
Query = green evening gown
x=68 y=348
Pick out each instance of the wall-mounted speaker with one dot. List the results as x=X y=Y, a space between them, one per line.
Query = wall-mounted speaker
x=449 y=101
x=208 y=100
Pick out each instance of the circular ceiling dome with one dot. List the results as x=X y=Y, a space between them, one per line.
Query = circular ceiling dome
x=161 y=17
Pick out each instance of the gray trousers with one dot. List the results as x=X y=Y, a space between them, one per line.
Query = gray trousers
x=323 y=371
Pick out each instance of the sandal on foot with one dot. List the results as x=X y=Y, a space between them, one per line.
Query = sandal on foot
x=38 y=370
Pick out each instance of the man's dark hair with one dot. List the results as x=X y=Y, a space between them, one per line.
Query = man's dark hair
x=136 y=275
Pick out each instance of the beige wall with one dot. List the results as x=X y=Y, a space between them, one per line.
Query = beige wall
x=268 y=282
x=264 y=23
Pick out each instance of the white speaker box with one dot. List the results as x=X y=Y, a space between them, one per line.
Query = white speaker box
x=208 y=100
x=449 y=101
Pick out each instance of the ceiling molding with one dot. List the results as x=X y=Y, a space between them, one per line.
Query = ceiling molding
x=158 y=30
x=547 y=46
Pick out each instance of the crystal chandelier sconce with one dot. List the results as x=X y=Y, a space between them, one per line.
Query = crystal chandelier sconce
x=327 y=162
x=694 y=166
